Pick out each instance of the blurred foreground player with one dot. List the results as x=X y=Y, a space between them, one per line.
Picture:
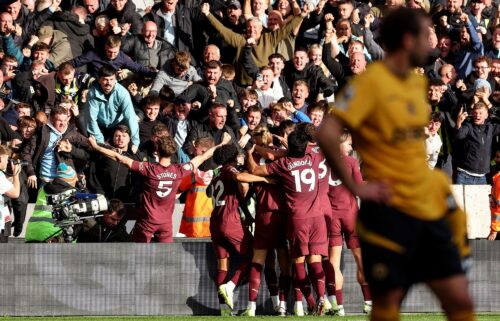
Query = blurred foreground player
x=411 y=231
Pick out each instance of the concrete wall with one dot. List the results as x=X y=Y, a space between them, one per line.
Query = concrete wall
x=170 y=279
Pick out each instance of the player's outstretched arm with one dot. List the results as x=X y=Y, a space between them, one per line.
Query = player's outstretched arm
x=110 y=153
x=253 y=168
x=249 y=178
x=329 y=141
x=198 y=160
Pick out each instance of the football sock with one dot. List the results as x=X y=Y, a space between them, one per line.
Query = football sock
x=366 y=292
x=303 y=282
x=241 y=270
x=338 y=295
x=221 y=278
x=385 y=313
x=284 y=287
x=329 y=277
x=461 y=316
x=318 y=278
x=254 y=281
x=271 y=280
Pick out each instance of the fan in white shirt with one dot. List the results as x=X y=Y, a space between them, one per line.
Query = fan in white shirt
x=433 y=142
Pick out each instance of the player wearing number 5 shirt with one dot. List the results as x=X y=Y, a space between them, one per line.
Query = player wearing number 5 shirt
x=306 y=230
x=161 y=181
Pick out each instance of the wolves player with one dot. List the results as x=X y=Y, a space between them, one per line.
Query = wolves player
x=306 y=230
x=404 y=228
x=161 y=181
x=228 y=232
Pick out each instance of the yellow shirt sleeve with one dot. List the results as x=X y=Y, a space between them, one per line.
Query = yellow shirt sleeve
x=356 y=102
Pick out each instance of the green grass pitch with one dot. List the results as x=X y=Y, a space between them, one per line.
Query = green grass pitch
x=406 y=317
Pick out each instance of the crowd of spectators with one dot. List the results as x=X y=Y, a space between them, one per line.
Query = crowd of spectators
x=130 y=72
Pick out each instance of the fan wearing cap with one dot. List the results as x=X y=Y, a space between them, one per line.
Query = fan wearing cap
x=40 y=228
x=60 y=48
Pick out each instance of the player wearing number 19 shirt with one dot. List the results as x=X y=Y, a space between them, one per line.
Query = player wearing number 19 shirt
x=161 y=181
x=306 y=230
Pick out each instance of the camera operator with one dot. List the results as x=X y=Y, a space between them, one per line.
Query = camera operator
x=7 y=189
x=108 y=228
x=40 y=228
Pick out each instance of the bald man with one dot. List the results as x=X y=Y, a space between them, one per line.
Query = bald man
x=145 y=49
x=357 y=63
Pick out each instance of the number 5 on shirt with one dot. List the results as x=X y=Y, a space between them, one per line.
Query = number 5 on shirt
x=163 y=185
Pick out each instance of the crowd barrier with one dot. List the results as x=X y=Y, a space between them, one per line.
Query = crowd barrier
x=170 y=279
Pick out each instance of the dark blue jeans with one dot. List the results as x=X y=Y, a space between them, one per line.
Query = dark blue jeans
x=466 y=179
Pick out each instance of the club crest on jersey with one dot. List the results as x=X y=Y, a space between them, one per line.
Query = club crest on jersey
x=346 y=96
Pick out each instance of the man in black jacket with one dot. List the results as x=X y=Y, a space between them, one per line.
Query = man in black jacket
x=301 y=69
x=123 y=17
x=472 y=155
x=108 y=228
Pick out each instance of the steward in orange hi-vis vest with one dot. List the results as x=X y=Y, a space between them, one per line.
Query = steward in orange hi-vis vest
x=198 y=209
x=495 y=204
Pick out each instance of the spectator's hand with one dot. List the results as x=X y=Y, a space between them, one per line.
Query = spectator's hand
x=74 y=108
x=251 y=150
x=320 y=97
x=462 y=116
x=93 y=142
x=482 y=30
x=134 y=149
x=121 y=74
x=64 y=146
x=343 y=39
x=19 y=30
x=461 y=85
x=147 y=9
x=230 y=103
x=212 y=91
x=84 y=95
x=329 y=17
x=465 y=18
x=113 y=22
x=443 y=21
x=289 y=107
x=377 y=192
x=205 y=9
x=244 y=140
x=196 y=105
x=55 y=5
x=125 y=27
x=16 y=168
x=226 y=139
x=32 y=182
x=307 y=9
x=368 y=20
x=251 y=42
x=132 y=88
x=355 y=16
x=492 y=236
x=26 y=52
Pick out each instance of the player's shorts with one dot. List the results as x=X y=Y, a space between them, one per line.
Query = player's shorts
x=226 y=242
x=399 y=250
x=343 y=226
x=307 y=237
x=144 y=231
x=270 y=232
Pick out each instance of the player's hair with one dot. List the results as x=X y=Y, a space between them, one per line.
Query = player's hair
x=166 y=146
x=4 y=150
x=26 y=121
x=226 y=154
x=115 y=205
x=106 y=71
x=308 y=129
x=398 y=23
x=150 y=101
x=158 y=129
x=207 y=142
x=228 y=71
x=479 y=105
x=66 y=68
x=437 y=116
x=182 y=59
x=318 y=106
x=297 y=144
x=263 y=131
x=113 y=41
x=346 y=134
